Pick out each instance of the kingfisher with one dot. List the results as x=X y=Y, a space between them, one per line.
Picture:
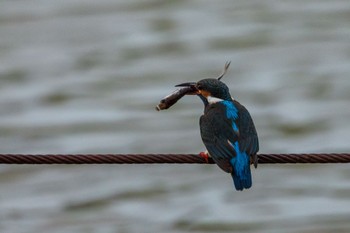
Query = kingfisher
x=227 y=131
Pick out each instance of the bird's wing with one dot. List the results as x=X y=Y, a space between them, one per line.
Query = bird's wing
x=248 y=137
x=218 y=135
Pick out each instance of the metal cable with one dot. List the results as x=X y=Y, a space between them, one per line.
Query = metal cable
x=162 y=158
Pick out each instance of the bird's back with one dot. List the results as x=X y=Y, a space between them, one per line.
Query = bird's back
x=224 y=125
x=216 y=132
x=248 y=140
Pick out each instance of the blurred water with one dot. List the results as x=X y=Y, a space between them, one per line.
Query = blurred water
x=84 y=77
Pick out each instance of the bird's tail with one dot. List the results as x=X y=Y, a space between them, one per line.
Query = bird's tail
x=242 y=177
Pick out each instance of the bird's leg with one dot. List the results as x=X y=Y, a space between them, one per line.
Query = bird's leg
x=205 y=155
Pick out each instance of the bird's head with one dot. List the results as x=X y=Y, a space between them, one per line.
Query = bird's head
x=209 y=87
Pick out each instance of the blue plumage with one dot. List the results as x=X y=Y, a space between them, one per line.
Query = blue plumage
x=241 y=163
x=241 y=169
x=227 y=131
x=231 y=113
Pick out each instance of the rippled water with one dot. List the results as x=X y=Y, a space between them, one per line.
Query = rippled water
x=84 y=77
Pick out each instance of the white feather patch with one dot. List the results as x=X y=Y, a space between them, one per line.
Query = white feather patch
x=213 y=100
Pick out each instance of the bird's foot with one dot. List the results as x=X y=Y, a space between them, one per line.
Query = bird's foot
x=205 y=156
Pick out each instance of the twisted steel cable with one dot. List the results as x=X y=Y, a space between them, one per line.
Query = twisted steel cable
x=162 y=158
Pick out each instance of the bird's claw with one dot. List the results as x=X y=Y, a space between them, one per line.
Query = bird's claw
x=204 y=156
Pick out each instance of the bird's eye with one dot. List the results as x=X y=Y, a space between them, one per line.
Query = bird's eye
x=199 y=87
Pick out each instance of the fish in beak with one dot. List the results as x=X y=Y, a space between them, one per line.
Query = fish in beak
x=192 y=85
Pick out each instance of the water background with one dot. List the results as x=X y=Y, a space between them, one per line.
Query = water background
x=84 y=77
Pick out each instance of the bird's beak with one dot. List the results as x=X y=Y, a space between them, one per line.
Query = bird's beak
x=191 y=85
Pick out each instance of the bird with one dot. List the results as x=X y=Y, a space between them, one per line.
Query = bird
x=227 y=131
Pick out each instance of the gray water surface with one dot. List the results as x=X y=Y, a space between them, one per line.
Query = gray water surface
x=85 y=76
